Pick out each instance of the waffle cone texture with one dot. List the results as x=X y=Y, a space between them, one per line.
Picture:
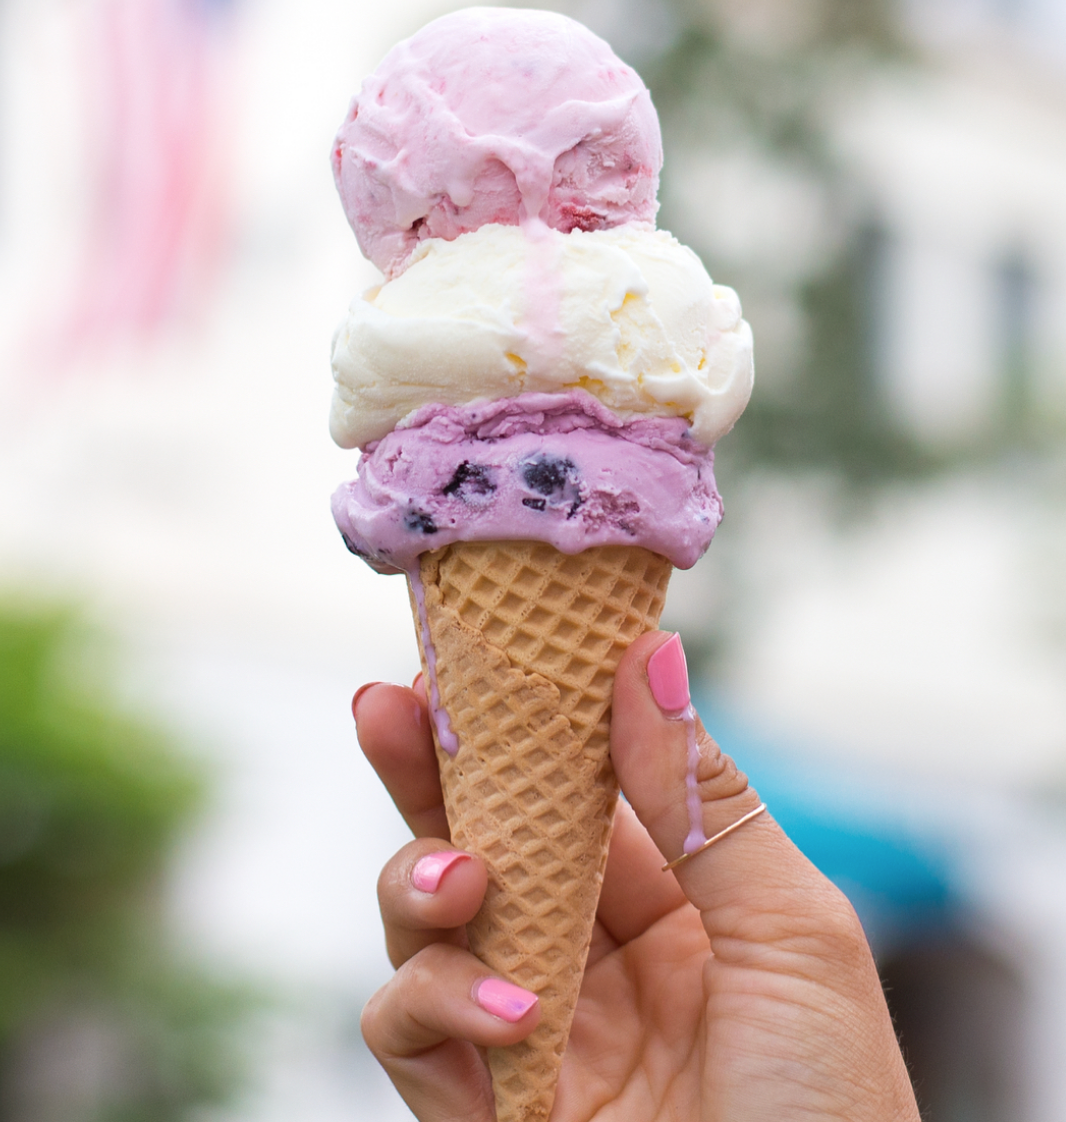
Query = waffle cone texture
x=527 y=642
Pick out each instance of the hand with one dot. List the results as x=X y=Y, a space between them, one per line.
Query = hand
x=739 y=989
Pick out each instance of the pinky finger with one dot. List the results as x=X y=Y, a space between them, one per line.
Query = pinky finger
x=425 y=1027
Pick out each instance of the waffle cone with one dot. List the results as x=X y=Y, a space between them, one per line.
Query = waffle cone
x=527 y=640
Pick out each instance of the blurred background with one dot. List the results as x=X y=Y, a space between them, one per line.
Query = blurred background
x=189 y=838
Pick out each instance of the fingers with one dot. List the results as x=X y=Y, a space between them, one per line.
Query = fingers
x=427 y=892
x=394 y=733
x=393 y=729
x=635 y=893
x=423 y=1027
x=754 y=884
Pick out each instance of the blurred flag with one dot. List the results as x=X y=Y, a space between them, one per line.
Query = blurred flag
x=157 y=188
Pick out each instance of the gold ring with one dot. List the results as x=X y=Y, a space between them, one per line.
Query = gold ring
x=717 y=838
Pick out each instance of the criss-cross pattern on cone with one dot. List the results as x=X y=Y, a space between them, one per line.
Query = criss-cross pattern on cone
x=528 y=640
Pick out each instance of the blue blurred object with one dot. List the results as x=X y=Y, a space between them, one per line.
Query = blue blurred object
x=896 y=874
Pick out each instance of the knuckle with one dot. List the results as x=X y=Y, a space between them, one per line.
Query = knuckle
x=384 y=881
x=371 y=1022
x=422 y=971
x=394 y=880
x=717 y=775
x=836 y=935
x=842 y=926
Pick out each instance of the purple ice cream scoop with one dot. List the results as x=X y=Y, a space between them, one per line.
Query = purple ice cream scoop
x=556 y=468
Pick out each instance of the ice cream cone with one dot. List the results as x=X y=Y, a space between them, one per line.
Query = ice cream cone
x=527 y=640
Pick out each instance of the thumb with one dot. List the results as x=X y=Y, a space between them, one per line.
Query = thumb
x=753 y=884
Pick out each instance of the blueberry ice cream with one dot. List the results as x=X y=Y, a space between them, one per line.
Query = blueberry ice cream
x=558 y=468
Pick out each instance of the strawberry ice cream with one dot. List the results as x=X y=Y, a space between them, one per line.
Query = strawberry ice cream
x=495 y=116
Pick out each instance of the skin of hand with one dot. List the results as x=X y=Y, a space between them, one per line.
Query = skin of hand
x=739 y=989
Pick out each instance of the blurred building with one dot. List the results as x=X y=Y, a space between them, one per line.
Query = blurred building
x=965 y=164
x=897 y=686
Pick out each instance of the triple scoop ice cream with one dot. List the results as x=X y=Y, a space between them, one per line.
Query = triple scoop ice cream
x=501 y=168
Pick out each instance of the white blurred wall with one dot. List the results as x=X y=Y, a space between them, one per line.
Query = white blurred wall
x=965 y=164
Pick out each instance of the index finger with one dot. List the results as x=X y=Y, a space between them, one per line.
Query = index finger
x=393 y=729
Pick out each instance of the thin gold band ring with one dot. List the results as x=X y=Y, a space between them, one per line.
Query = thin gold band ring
x=717 y=838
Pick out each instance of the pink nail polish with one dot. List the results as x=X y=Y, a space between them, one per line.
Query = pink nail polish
x=668 y=676
x=501 y=999
x=428 y=871
x=358 y=694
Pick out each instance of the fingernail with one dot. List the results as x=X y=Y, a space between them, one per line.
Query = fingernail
x=427 y=873
x=501 y=999
x=668 y=676
x=358 y=694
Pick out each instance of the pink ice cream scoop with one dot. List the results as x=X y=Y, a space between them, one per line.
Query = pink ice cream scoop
x=493 y=115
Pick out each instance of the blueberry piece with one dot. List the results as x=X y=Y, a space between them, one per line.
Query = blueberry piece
x=470 y=479
x=417 y=521
x=534 y=504
x=352 y=547
x=548 y=475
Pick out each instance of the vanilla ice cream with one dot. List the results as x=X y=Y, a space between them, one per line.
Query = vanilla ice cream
x=628 y=314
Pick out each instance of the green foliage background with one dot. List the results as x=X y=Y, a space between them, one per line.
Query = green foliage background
x=91 y=802
x=719 y=85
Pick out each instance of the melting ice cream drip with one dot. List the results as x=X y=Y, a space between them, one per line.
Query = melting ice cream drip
x=445 y=734
x=696 y=836
x=543 y=292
